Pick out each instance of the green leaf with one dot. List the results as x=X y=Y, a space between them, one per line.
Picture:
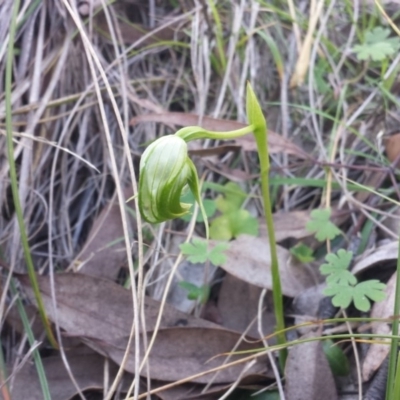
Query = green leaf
x=243 y=223
x=342 y=295
x=360 y=294
x=337 y=360
x=201 y=293
x=209 y=207
x=302 y=253
x=337 y=268
x=228 y=226
x=377 y=45
x=321 y=225
x=197 y=252
x=220 y=228
x=371 y=289
x=232 y=200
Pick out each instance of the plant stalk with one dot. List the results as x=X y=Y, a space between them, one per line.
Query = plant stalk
x=262 y=146
x=395 y=331
x=14 y=178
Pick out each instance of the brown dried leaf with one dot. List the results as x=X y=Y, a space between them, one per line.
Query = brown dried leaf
x=192 y=391
x=238 y=306
x=86 y=366
x=99 y=311
x=288 y=225
x=377 y=352
x=308 y=374
x=249 y=259
x=387 y=252
x=180 y=353
x=104 y=251
x=277 y=143
x=131 y=32
x=84 y=301
x=392 y=147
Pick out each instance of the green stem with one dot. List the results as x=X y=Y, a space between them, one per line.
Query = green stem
x=395 y=331
x=256 y=118
x=262 y=147
x=196 y=132
x=396 y=385
x=14 y=179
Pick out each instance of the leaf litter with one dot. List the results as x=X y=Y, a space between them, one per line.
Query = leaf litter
x=88 y=368
x=95 y=311
x=82 y=208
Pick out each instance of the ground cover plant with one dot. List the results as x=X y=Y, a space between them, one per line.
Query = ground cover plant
x=152 y=246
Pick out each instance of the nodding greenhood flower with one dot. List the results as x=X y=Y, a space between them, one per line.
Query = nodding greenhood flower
x=165 y=169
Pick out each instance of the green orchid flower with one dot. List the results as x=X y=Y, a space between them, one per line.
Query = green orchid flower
x=165 y=170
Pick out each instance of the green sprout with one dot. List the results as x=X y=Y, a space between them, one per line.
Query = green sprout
x=166 y=170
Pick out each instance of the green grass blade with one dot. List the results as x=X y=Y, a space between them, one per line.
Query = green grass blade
x=35 y=353
x=395 y=341
x=219 y=35
x=14 y=179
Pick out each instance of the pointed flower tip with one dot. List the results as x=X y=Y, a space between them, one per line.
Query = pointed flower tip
x=255 y=115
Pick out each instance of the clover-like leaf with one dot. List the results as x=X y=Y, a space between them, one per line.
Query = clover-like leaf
x=197 y=252
x=321 y=225
x=360 y=294
x=233 y=224
x=342 y=295
x=200 y=293
x=302 y=253
x=372 y=289
x=337 y=268
x=232 y=199
x=377 y=45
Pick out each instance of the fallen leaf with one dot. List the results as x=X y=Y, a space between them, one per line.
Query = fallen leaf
x=306 y=306
x=387 y=252
x=131 y=33
x=238 y=307
x=307 y=372
x=192 y=391
x=377 y=352
x=277 y=143
x=104 y=251
x=86 y=366
x=290 y=224
x=249 y=259
x=392 y=147
x=181 y=353
x=99 y=312
x=391 y=222
x=84 y=301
